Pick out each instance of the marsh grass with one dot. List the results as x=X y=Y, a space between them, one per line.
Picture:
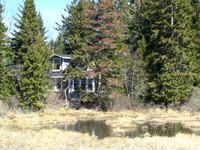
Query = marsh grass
x=21 y=130
x=56 y=139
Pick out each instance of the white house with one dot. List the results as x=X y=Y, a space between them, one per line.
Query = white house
x=60 y=81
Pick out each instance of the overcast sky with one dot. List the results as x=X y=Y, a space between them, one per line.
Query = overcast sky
x=50 y=10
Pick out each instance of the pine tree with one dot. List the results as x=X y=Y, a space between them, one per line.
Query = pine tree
x=170 y=52
x=3 y=71
x=5 y=77
x=34 y=79
x=29 y=25
x=76 y=36
x=196 y=27
x=101 y=49
x=31 y=57
x=71 y=30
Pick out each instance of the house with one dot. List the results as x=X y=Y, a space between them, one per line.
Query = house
x=60 y=81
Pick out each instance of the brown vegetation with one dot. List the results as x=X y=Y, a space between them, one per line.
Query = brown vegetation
x=20 y=131
x=56 y=139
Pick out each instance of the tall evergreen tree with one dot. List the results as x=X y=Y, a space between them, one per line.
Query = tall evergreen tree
x=29 y=26
x=101 y=48
x=196 y=27
x=170 y=54
x=5 y=89
x=31 y=56
x=34 y=79
x=71 y=31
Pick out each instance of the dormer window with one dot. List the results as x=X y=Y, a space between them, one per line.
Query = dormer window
x=56 y=64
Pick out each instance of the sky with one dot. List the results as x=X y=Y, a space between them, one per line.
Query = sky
x=51 y=11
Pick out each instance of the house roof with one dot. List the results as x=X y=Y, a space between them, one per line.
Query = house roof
x=64 y=56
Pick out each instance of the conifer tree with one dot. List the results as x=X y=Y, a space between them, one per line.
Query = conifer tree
x=5 y=89
x=196 y=27
x=170 y=54
x=29 y=25
x=101 y=48
x=71 y=31
x=31 y=57
x=34 y=77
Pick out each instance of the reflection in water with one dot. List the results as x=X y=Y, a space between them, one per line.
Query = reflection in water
x=101 y=130
x=168 y=129
x=98 y=128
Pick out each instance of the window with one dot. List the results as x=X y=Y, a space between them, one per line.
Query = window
x=76 y=85
x=56 y=63
x=65 y=63
x=83 y=85
x=90 y=85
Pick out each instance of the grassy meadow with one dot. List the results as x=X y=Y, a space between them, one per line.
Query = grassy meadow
x=21 y=131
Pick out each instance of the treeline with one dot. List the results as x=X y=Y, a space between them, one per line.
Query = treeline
x=144 y=50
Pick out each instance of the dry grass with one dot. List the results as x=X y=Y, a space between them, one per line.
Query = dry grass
x=26 y=137
x=56 y=139
x=113 y=118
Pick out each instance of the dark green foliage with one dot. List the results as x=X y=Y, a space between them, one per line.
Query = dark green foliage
x=34 y=77
x=71 y=30
x=29 y=26
x=132 y=66
x=75 y=36
x=101 y=48
x=170 y=54
x=5 y=78
x=31 y=57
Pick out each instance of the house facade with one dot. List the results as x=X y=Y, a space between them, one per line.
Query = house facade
x=61 y=82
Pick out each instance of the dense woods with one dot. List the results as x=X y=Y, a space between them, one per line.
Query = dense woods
x=142 y=50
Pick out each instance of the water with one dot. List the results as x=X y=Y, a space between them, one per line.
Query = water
x=167 y=129
x=101 y=130
x=98 y=128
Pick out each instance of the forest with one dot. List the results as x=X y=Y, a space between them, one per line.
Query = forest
x=141 y=51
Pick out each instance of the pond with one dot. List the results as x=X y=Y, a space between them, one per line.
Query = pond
x=98 y=128
x=167 y=129
x=102 y=130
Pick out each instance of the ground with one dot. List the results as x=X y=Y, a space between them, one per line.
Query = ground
x=21 y=130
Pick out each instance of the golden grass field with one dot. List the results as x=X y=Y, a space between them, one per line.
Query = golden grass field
x=18 y=130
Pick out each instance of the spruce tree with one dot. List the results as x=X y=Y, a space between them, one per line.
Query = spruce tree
x=196 y=27
x=34 y=79
x=6 y=84
x=3 y=70
x=31 y=57
x=170 y=54
x=101 y=48
x=71 y=31
x=28 y=26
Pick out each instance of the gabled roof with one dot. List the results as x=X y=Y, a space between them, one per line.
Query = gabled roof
x=64 y=56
